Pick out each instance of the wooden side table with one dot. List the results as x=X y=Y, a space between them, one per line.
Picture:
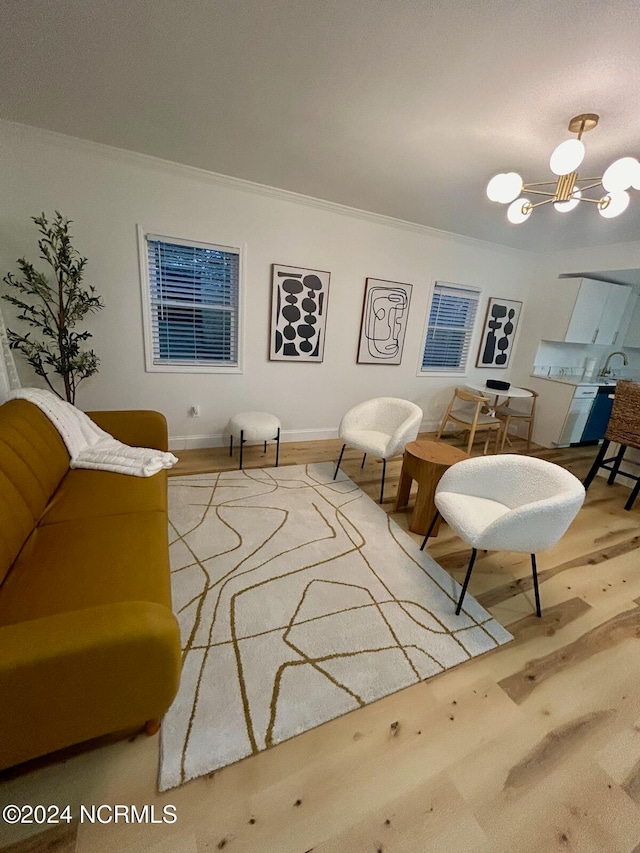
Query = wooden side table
x=425 y=462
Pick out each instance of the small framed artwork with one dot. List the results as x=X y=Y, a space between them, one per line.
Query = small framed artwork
x=384 y=321
x=499 y=331
x=299 y=300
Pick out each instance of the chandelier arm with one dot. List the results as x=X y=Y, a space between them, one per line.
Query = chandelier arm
x=541 y=192
x=592 y=200
x=538 y=203
x=590 y=186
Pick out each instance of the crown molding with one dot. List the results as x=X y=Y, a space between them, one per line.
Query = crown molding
x=124 y=155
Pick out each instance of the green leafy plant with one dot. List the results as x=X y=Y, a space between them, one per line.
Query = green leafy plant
x=54 y=309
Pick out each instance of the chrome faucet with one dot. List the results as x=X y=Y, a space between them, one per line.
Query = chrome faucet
x=606 y=370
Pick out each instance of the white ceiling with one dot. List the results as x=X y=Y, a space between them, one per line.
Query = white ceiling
x=402 y=107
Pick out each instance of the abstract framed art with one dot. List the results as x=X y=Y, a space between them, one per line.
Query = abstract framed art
x=299 y=300
x=499 y=331
x=384 y=321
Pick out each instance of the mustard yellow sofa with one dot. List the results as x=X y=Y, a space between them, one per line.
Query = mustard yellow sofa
x=88 y=641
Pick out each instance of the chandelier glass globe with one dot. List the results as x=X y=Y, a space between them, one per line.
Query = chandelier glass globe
x=565 y=206
x=567 y=157
x=621 y=174
x=614 y=204
x=519 y=211
x=504 y=187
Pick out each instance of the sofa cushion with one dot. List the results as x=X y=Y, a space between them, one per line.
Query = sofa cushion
x=91 y=561
x=89 y=494
x=33 y=461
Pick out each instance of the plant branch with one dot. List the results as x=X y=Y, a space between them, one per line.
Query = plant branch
x=54 y=311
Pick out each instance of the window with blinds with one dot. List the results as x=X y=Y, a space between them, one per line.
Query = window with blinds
x=193 y=301
x=449 y=328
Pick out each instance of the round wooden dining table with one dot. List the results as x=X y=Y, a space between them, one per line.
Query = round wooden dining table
x=513 y=391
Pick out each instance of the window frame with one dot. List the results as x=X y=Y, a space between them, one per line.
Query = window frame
x=463 y=369
x=145 y=234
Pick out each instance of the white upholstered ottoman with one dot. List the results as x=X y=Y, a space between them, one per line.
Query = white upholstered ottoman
x=254 y=426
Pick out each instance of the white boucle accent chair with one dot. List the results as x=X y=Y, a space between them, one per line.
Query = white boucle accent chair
x=507 y=503
x=382 y=427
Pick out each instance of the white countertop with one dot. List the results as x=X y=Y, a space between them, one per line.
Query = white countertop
x=577 y=380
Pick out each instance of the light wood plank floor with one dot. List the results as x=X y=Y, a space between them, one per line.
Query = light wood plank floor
x=532 y=748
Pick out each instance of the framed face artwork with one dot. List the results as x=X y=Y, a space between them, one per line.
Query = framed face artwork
x=499 y=332
x=384 y=321
x=299 y=299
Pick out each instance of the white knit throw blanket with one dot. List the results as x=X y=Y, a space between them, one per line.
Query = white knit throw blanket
x=92 y=447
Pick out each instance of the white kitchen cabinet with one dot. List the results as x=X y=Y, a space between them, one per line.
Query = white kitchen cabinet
x=597 y=313
x=613 y=314
x=590 y=302
x=578 y=414
x=632 y=338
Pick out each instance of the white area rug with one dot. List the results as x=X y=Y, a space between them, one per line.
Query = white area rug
x=299 y=600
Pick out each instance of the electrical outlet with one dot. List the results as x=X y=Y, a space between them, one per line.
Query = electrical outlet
x=194 y=411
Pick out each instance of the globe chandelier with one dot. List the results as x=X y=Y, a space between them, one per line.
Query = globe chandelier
x=568 y=190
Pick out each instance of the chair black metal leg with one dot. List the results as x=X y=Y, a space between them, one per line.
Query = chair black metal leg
x=384 y=471
x=466 y=581
x=616 y=464
x=363 y=458
x=231 y=446
x=278 y=447
x=633 y=496
x=241 y=446
x=265 y=447
x=596 y=464
x=430 y=530
x=535 y=584
x=339 y=461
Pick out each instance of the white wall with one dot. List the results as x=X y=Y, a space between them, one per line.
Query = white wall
x=108 y=192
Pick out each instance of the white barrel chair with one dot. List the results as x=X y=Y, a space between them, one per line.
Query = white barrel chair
x=382 y=427
x=507 y=503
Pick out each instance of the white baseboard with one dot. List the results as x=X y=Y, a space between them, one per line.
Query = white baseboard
x=191 y=442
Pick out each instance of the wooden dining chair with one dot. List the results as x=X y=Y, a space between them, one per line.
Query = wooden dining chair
x=465 y=409
x=507 y=413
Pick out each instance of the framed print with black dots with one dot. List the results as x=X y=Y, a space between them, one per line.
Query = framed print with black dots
x=499 y=332
x=299 y=300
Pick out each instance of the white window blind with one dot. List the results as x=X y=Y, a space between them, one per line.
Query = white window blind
x=194 y=299
x=451 y=318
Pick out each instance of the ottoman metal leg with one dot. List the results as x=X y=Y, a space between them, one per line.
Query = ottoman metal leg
x=241 y=446
x=231 y=446
x=277 y=447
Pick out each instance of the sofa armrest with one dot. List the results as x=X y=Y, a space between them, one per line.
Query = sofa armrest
x=78 y=675
x=141 y=428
